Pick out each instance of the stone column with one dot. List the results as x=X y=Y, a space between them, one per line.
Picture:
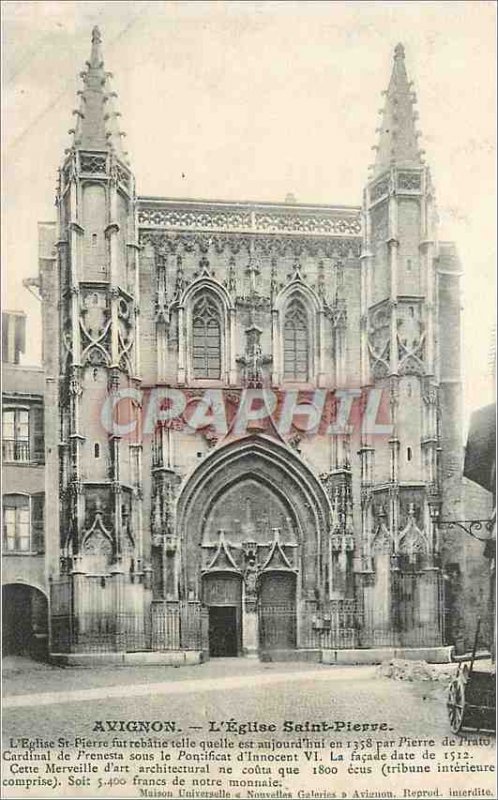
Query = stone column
x=250 y=627
x=250 y=620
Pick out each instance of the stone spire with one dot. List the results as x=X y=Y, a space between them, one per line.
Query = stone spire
x=398 y=137
x=97 y=125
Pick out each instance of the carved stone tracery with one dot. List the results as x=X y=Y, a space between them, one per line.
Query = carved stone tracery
x=379 y=342
x=286 y=221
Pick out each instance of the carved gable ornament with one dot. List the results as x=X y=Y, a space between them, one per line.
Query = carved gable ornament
x=412 y=539
x=382 y=541
x=277 y=561
x=222 y=560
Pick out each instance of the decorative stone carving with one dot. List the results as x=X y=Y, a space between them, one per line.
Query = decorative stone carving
x=190 y=218
x=231 y=283
x=409 y=181
x=95 y=328
x=412 y=539
x=253 y=361
x=308 y=223
x=379 y=341
x=382 y=541
x=253 y=302
x=223 y=559
x=97 y=544
x=93 y=164
x=125 y=344
x=411 y=339
x=251 y=574
x=379 y=189
x=161 y=303
x=333 y=222
x=163 y=516
x=180 y=279
x=337 y=313
x=294 y=441
x=277 y=559
x=122 y=176
x=281 y=246
x=430 y=393
x=98 y=539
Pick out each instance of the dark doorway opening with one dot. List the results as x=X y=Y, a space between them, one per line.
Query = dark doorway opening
x=223 y=639
x=24 y=621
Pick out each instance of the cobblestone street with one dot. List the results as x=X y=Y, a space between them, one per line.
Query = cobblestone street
x=222 y=687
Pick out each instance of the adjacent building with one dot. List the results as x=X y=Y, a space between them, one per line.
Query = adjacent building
x=24 y=577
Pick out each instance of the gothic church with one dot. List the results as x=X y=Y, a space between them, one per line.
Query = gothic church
x=310 y=539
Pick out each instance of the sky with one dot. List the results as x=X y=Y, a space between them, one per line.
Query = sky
x=252 y=100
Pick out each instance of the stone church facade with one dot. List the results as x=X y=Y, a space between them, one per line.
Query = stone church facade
x=310 y=354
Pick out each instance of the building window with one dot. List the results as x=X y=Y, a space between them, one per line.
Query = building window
x=23 y=523
x=206 y=324
x=408 y=453
x=296 y=346
x=17 y=536
x=15 y=433
x=22 y=434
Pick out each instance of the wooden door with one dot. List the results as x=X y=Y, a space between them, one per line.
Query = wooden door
x=277 y=611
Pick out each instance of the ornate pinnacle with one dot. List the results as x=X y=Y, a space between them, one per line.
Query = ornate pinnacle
x=399 y=51
x=97 y=127
x=397 y=142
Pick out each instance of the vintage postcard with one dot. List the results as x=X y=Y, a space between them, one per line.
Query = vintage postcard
x=248 y=403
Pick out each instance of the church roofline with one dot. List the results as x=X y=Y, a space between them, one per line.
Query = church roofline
x=248 y=203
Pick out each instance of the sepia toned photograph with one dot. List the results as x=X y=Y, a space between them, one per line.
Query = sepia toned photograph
x=248 y=399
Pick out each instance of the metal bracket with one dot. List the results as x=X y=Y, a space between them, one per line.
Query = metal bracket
x=469 y=526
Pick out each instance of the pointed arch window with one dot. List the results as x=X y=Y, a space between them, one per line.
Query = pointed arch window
x=296 y=342
x=206 y=329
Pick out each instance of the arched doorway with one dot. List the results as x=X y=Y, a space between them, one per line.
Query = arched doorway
x=254 y=511
x=24 y=621
x=274 y=466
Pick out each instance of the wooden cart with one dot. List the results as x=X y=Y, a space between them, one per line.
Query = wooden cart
x=471 y=699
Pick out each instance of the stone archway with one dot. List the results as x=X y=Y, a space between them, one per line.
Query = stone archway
x=24 y=621
x=253 y=508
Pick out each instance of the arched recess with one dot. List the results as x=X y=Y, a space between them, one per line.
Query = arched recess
x=24 y=620
x=298 y=294
x=220 y=298
x=280 y=471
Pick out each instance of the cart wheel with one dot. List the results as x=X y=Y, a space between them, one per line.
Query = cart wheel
x=456 y=703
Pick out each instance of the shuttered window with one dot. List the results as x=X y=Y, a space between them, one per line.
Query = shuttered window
x=206 y=324
x=37 y=529
x=296 y=342
x=37 y=434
